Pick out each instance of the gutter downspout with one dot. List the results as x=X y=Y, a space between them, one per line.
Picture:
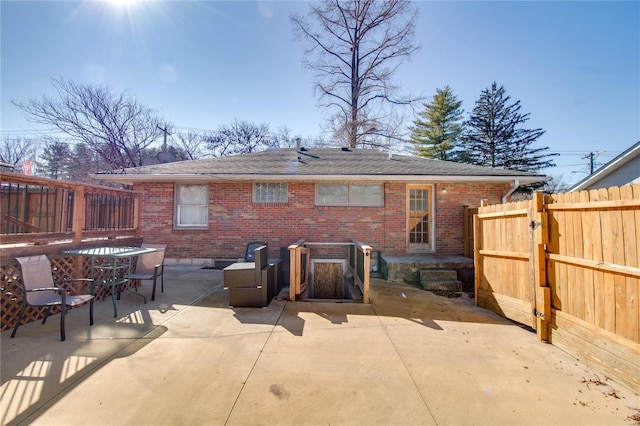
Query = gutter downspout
x=514 y=186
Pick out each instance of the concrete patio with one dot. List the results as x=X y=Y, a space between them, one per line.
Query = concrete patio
x=410 y=357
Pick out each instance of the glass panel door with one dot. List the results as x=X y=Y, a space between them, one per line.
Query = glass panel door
x=419 y=218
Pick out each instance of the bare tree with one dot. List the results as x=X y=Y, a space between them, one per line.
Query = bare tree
x=190 y=144
x=240 y=137
x=84 y=161
x=354 y=50
x=116 y=126
x=284 y=138
x=17 y=150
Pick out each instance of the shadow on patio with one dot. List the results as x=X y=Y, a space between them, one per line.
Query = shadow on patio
x=409 y=357
x=38 y=368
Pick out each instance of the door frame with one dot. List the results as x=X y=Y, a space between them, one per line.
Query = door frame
x=413 y=248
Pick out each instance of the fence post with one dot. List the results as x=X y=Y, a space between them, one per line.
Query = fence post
x=477 y=270
x=293 y=271
x=78 y=213
x=468 y=250
x=538 y=265
x=136 y=214
x=366 y=252
x=79 y=209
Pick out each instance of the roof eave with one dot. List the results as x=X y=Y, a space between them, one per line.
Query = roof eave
x=132 y=179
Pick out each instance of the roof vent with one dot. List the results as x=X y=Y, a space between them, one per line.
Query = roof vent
x=390 y=156
x=346 y=149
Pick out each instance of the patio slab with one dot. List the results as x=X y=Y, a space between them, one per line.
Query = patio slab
x=409 y=357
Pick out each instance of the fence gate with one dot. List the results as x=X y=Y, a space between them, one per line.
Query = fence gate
x=509 y=250
x=568 y=265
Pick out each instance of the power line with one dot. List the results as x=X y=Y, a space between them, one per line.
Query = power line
x=34 y=131
x=195 y=129
x=53 y=131
x=570 y=165
x=592 y=160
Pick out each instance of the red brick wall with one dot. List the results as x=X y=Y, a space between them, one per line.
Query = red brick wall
x=235 y=220
x=449 y=215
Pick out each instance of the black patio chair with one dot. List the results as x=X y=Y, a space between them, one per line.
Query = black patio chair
x=249 y=255
x=39 y=290
x=150 y=266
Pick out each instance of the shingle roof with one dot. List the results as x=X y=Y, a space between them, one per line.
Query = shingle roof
x=312 y=162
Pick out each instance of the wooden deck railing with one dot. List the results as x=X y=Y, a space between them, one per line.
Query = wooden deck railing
x=46 y=216
x=38 y=211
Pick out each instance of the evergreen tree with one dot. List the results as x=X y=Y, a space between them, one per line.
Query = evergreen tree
x=495 y=136
x=439 y=128
x=55 y=160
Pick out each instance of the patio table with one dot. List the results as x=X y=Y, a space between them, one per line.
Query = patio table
x=117 y=266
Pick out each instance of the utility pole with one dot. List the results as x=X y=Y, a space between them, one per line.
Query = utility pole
x=592 y=160
x=166 y=131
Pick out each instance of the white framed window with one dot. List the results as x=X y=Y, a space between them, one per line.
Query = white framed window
x=192 y=206
x=350 y=195
x=332 y=195
x=366 y=195
x=270 y=192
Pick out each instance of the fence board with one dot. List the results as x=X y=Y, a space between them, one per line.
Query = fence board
x=636 y=195
x=619 y=285
x=509 y=307
x=587 y=277
x=562 y=249
x=631 y=255
x=577 y=251
x=597 y=347
x=609 y=301
x=552 y=246
x=598 y=275
x=589 y=305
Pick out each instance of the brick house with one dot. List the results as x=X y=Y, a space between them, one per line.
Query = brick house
x=209 y=209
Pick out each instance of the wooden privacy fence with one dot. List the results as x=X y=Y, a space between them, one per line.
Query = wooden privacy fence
x=568 y=266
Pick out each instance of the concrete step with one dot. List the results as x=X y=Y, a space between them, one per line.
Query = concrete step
x=443 y=285
x=438 y=274
x=438 y=279
x=404 y=268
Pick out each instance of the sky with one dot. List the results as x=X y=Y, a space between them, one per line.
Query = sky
x=574 y=66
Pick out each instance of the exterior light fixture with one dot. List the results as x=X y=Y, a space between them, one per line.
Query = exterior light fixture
x=444 y=190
